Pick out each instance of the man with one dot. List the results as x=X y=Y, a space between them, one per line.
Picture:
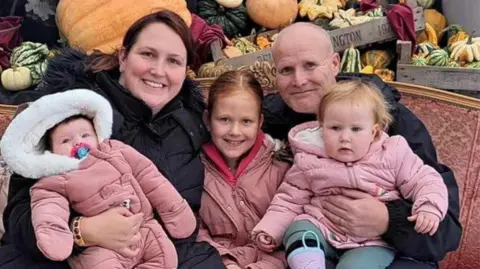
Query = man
x=306 y=65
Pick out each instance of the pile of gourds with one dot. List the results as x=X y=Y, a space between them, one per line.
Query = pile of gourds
x=369 y=62
x=28 y=63
x=445 y=46
x=242 y=45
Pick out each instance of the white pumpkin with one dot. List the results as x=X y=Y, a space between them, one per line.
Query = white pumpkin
x=229 y=3
x=16 y=79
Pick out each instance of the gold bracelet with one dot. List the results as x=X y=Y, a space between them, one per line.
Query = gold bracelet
x=77 y=234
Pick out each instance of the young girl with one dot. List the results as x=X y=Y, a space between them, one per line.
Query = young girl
x=347 y=148
x=242 y=173
x=63 y=139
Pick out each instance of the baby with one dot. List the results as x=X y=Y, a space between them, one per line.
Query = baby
x=347 y=148
x=63 y=140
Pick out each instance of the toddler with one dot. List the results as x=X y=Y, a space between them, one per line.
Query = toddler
x=347 y=148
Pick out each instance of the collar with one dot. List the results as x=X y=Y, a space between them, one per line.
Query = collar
x=217 y=159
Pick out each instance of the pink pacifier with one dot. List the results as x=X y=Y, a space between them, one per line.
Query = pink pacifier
x=80 y=151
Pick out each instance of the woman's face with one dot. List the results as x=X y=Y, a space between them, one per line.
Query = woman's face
x=155 y=67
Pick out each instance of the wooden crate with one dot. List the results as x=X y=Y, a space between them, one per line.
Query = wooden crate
x=445 y=78
x=377 y=30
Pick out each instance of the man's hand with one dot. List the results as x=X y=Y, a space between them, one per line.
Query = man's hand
x=357 y=213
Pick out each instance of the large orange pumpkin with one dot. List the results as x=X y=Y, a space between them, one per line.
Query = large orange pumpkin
x=272 y=14
x=101 y=24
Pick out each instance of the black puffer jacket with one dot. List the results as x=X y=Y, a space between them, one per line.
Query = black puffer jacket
x=279 y=119
x=172 y=139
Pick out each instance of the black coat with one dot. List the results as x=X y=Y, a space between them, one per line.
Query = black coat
x=279 y=119
x=172 y=139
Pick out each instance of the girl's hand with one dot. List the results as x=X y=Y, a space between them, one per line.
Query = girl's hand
x=116 y=229
x=265 y=242
x=426 y=222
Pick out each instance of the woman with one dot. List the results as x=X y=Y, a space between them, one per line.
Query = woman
x=156 y=110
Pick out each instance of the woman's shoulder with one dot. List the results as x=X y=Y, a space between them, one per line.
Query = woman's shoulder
x=67 y=70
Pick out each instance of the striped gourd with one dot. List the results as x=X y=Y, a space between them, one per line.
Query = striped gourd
x=452 y=64
x=419 y=61
x=38 y=70
x=376 y=13
x=438 y=57
x=351 y=62
x=425 y=3
x=33 y=56
x=425 y=48
x=473 y=65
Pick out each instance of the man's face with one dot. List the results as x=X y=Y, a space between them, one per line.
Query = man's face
x=306 y=67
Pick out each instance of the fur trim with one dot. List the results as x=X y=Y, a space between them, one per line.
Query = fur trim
x=281 y=149
x=22 y=144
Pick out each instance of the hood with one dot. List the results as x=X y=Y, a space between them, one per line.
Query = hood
x=22 y=145
x=307 y=137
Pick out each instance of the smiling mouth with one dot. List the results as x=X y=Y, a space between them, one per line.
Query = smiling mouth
x=154 y=84
x=234 y=143
x=303 y=92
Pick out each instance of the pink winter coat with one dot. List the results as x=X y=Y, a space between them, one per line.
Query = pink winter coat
x=389 y=171
x=229 y=211
x=114 y=175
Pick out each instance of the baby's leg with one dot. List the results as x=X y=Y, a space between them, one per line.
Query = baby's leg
x=366 y=258
x=97 y=258
x=306 y=247
x=159 y=251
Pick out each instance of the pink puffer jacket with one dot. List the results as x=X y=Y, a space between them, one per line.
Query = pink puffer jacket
x=114 y=175
x=390 y=170
x=229 y=212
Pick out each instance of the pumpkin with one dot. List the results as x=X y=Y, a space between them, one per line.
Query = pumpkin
x=425 y=3
x=466 y=50
x=101 y=25
x=230 y=3
x=379 y=59
x=435 y=19
x=385 y=74
x=351 y=62
x=16 y=78
x=213 y=69
x=438 y=57
x=234 y=21
x=272 y=14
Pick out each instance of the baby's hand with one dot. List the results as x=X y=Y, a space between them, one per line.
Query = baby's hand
x=426 y=222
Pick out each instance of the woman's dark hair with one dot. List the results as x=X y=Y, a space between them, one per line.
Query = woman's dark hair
x=232 y=81
x=99 y=61
x=48 y=133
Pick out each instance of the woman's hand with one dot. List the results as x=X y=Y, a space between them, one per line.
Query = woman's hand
x=116 y=229
x=357 y=213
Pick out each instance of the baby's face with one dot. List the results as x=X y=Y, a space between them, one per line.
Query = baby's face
x=72 y=133
x=348 y=131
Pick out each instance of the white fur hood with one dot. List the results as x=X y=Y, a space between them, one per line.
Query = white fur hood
x=23 y=145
